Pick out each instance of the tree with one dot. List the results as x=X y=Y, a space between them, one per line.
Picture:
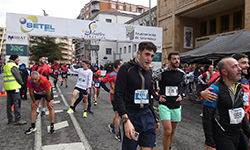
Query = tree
x=45 y=46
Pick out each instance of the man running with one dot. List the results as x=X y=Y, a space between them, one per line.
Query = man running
x=55 y=67
x=82 y=86
x=64 y=71
x=111 y=78
x=40 y=87
x=132 y=90
x=96 y=82
x=224 y=118
x=170 y=80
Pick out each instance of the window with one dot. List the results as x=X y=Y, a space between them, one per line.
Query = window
x=238 y=20
x=213 y=26
x=134 y=47
x=129 y=49
x=121 y=7
x=87 y=16
x=87 y=8
x=113 y=6
x=139 y=10
x=109 y=20
x=128 y=8
x=225 y=23
x=120 y=50
x=125 y=50
x=108 y=51
x=203 y=28
x=133 y=8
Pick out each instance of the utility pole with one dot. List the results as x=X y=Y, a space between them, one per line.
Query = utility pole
x=149 y=11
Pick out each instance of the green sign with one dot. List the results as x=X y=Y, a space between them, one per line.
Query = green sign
x=20 y=50
x=157 y=57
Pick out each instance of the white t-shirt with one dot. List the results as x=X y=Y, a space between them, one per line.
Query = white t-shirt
x=84 y=78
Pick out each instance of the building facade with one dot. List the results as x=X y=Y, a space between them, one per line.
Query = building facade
x=189 y=24
x=105 y=11
x=3 y=48
x=67 y=50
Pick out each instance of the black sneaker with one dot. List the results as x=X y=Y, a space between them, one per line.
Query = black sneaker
x=30 y=130
x=61 y=83
x=118 y=137
x=52 y=130
x=66 y=86
x=89 y=111
x=43 y=113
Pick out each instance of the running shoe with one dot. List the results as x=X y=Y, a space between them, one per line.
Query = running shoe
x=66 y=86
x=43 y=113
x=95 y=103
x=37 y=114
x=118 y=137
x=52 y=130
x=89 y=111
x=61 y=83
x=70 y=111
x=84 y=114
x=30 y=130
x=112 y=128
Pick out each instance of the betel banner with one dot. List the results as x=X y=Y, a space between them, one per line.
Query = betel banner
x=73 y=28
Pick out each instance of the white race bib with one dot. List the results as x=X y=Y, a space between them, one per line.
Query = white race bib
x=171 y=90
x=141 y=97
x=81 y=79
x=236 y=115
x=97 y=85
x=64 y=75
x=246 y=99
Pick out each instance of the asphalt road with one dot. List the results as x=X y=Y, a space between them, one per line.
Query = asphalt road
x=76 y=132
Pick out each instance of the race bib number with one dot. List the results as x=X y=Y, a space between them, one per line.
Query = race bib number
x=97 y=85
x=64 y=75
x=246 y=99
x=171 y=91
x=56 y=71
x=236 y=115
x=81 y=80
x=141 y=97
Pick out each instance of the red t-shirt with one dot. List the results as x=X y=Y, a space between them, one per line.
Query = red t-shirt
x=97 y=80
x=64 y=68
x=111 y=78
x=55 y=69
x=42 y=85
x=44 y=70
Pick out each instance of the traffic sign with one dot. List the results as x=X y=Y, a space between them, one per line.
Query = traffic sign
x=92 y=47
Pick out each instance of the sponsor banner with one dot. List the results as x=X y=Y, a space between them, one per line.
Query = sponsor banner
x=139 y=33
x=18 y=49
x=17 y=38
x=74 y=28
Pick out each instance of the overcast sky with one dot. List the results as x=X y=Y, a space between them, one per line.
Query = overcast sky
x=55 y=8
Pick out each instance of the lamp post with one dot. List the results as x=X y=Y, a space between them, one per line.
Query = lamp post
x=149 y=11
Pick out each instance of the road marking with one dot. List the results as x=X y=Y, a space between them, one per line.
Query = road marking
x=56 y=111
x=59 y=125
x=66 y=146
x=56 y=102
x=55 y=95
x=77 y=126
x=38 y=134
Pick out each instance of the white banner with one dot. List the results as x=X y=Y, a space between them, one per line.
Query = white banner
x=74 y=28
x=17 y=38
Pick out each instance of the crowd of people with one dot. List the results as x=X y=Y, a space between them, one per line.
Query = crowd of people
x=134 y=87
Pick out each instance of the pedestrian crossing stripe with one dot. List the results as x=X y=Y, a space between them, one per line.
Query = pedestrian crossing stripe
x=56 y=102
x=65 y=146
x=55 y=95
x=59 y=125
x=56 y=111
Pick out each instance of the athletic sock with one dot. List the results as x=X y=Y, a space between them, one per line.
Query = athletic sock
x=33 y=125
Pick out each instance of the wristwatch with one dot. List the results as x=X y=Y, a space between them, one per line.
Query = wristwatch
x=125 y=119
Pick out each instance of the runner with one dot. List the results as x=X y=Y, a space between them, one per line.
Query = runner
x=221 y=127
x=46 y=71
x=133 y=86
x=55 y=67
x=170 y=80
x=82 y=86
x=64 y=71
x=40 y=87
x=96 y=82
x=111 y=78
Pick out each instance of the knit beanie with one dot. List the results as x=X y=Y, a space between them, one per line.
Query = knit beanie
x=13 y=57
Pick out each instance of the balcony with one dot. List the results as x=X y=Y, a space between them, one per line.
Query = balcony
x=64 y=52
x=94 y=8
